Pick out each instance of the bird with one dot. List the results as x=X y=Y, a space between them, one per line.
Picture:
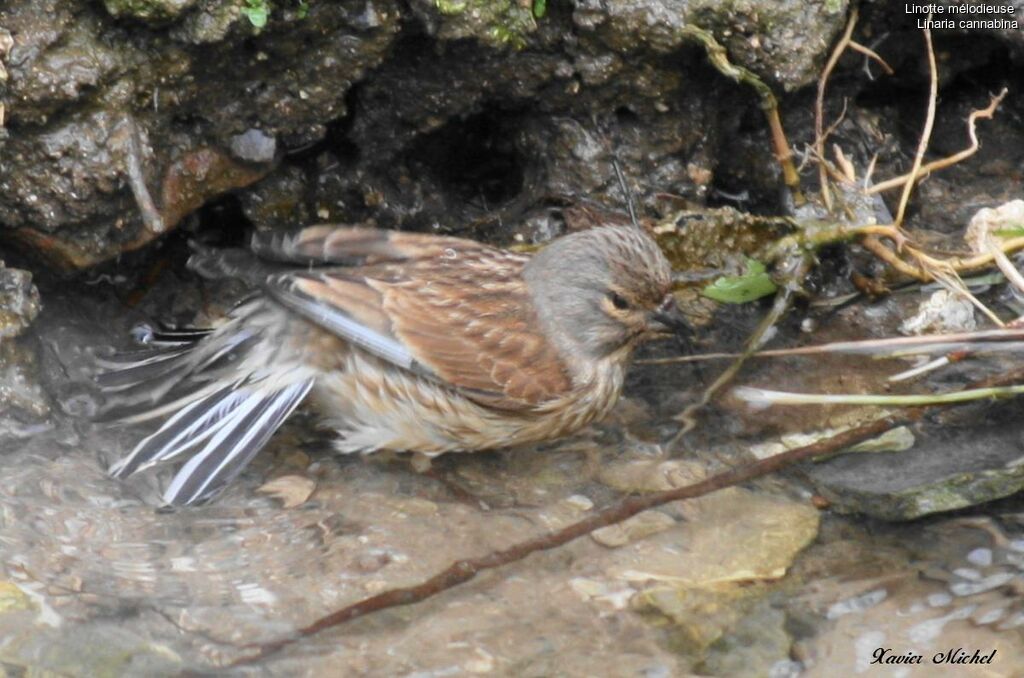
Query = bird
x=403 y=341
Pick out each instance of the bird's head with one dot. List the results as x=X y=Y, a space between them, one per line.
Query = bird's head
x=603 y=290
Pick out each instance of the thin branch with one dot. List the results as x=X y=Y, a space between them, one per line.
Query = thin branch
x=627 y=194
x=876 y=247
x=962 y=264
x=126 y=136
x=782 y=303
x=926 y=133
x=943 y=163
x=915 y=372
x=871 y=54
x=820 y=134
x=925 y=344
x=766 y=396
x=719 y=59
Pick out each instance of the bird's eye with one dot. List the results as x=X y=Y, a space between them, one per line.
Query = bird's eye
x=618 y=302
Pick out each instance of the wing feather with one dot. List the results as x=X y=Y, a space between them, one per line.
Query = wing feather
x=351 y=246
x=239 y=436
x=460 y=315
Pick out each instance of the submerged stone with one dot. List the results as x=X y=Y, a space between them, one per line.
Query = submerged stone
x=944 y=471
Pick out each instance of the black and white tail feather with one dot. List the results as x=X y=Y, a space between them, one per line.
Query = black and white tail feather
x=227 y=389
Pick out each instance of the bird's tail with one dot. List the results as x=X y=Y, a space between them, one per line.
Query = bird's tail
x=222 y=392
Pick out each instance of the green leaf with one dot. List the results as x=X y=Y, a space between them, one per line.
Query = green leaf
x=540 y=8
x=257 y=12
x=739 y=289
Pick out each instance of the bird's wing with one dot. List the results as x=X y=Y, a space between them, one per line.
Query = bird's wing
x=329 y=244
x=460 y=315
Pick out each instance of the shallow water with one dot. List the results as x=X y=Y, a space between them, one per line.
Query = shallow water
x=751 y=581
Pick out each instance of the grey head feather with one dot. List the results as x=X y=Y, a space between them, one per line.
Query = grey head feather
x=569 y=278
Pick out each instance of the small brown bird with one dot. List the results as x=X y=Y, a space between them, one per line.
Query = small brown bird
x=407 y=342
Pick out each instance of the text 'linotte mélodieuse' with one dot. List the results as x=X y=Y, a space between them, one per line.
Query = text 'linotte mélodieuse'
x=964 y=16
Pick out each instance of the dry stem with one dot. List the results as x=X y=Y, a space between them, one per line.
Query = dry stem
x=820 y=135
x=926 y=133
x=943 y=163
x=719 y=58
x=871 y=54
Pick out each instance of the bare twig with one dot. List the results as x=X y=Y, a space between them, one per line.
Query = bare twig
x=753 y=394
x=820 y=135
x=928 y=268
x=627 y=194
x=943 y=163
x=870 y=172
x=962 y=264
x=926 y=132
x=876 y=247
x=126 y=138
x=719 y=58
x=845 y=166
x=871 y=54
x=1011 y=339
x=783 y=300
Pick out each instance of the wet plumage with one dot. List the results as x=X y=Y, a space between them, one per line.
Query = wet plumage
x=405 y=342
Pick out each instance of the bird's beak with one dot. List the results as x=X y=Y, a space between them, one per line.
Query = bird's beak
x=669 y=318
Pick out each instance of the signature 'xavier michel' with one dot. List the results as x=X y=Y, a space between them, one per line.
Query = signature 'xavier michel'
x=406 y=342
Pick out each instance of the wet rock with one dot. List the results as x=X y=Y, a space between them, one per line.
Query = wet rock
x=781 y=41
x=12 y=598
x=283 y=199
x=731 y=537
x=148 y=9
x=895 y=440
x=479 y=136
x=23 y=402
x=947 y=469
x=116 y=649
x=254 y=146
x=911 y=610
x=291 y=490
x=639 y=526
x=198 y=176
x=613 y=594
x=444 y=135
x=75 y=74
x=19 y=301
x=498 y=22
x=710 y=572
x=758 y=641
x=54 y=60
x=942 y=312
x=66 y=174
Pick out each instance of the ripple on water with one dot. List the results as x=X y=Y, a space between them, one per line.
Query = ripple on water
x=61 y=517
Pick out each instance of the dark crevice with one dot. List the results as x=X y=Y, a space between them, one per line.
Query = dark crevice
x=474 y=160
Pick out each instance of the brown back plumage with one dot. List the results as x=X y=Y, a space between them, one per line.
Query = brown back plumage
x=460 y=309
